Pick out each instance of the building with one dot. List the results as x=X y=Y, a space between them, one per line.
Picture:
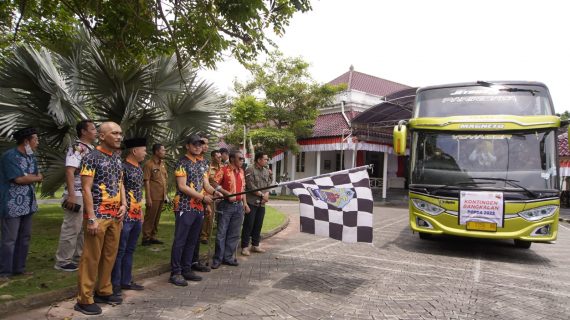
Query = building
x=337 y=144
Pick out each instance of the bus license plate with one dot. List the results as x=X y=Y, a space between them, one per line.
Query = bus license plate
x=481 y=226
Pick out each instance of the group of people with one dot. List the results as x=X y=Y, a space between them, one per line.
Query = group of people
x=103 y=215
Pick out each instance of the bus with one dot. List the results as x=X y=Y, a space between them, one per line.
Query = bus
x=483 y=161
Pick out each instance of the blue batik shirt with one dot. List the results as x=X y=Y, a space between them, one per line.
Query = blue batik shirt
x=17 y=200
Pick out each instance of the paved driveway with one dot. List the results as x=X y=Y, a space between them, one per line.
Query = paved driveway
x=398 y=277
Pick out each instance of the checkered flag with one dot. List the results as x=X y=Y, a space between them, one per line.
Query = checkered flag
x=337 y=205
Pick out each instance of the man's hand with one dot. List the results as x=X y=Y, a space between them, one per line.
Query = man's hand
x=93 y=228
x=70 y=201
x=207 y=199
x=40 y=177
x=266 y=197
x=246 y=209
x=148 y=203
x=121 y=213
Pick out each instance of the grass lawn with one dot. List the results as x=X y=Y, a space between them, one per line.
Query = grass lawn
x=45 y=236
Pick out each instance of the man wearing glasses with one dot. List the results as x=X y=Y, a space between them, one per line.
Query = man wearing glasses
x=231 y=180
x=257 y=176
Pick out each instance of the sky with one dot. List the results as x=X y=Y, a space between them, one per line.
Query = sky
x=421 y=43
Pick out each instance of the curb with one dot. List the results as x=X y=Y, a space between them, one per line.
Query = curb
x=564 y=220
x=51 y=297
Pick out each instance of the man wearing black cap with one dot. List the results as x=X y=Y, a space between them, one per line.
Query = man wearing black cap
x=132 y=224
x=18 y=173
x=192 y=192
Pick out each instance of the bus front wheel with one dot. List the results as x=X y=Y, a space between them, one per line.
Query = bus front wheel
x=522 y=244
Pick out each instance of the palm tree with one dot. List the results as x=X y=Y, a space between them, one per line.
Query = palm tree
x=52 y=91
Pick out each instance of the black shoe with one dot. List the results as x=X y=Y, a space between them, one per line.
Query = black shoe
x=191 y=276
x=117 y=291
x=132 y=286
x=178 y=280
x=145 y=243
x=232 y=263
x=200 y=267
x=70 y=267
x=204 y=241
x=110 y=299
x=88 y=309
x=155 y=241
x=215 y=264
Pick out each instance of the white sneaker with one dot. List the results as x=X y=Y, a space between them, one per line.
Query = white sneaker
x=245 y=252
x=257 y=249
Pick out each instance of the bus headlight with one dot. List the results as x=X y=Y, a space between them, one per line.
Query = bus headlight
x=427 y=207
x=539 y=213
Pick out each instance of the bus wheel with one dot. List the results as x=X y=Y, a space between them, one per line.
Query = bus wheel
x=522 y=244
x=424 y=236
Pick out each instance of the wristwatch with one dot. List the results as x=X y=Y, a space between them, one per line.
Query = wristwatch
x=91 y=220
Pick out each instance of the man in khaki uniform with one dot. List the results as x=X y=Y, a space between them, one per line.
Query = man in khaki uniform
x=155 y=186
x=215 y=166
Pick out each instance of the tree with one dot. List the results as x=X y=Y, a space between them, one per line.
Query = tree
x=52 y=91
x=292 y=98
x=139 y=30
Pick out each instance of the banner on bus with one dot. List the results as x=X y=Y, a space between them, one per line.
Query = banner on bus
x=481 y=206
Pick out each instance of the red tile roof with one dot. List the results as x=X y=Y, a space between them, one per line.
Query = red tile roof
x=366 y=83
x=332 y=124
x=563 y=145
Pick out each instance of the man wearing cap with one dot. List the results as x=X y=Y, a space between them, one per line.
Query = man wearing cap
x=155 y=186
x=231 y=180
x=71 y=234
x=104 y=207
x=192 y=193
x=132 y=224
x=18 y=173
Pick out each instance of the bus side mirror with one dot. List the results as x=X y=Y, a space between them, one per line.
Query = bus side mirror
x=400 y=136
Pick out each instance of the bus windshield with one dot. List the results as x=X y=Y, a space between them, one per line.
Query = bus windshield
x=457 y=159
x=520 y=100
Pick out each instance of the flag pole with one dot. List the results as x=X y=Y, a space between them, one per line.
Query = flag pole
x=294 y=181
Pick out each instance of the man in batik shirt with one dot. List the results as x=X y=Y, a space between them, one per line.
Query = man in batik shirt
x=231 y=179
x=132 y=224
x=18 y=173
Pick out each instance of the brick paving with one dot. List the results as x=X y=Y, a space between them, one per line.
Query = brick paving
x=398 y=277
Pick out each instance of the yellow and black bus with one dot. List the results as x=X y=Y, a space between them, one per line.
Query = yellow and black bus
x=483 y=161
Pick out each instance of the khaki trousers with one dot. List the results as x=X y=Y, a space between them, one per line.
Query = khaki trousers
x=207 y=224
x=70 y=237
x=98 y=259
x=151 y=219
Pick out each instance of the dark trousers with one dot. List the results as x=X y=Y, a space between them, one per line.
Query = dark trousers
x=16 y=234
x=186 y=233
x=123 y=269
x=230 y=218
x=252 y=223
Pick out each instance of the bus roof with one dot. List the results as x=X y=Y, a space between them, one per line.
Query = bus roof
x=475 y=83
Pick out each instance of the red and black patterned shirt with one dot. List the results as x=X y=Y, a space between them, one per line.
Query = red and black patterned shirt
x=133 y=180
x=195 y=171
x=107 y=172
